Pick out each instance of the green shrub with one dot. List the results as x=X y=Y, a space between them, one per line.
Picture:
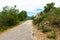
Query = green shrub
x=45 y=29
x=53 y=35
x=4 y=28
x=35 y=21
x=10 y=17
x=22 y=15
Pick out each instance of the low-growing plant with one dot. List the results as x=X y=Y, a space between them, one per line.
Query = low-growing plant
x=4 y=28
x=53 y=35
x=45 y=28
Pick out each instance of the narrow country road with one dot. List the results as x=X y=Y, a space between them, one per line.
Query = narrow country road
x=21 y=32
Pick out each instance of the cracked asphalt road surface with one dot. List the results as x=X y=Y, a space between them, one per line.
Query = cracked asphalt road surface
x=21 y=32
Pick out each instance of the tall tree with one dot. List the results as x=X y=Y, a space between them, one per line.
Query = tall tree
x=22 y=15
x=48 y=7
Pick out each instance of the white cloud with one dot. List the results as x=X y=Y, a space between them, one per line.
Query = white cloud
x=28 y=5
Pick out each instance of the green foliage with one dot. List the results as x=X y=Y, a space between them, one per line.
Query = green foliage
x=45 y=28
x=39 y=20
x=33 y=17
x=36 y=21
x=54 y=16
x=10 y=17
x=30 y=17
x=4 y=28
x=53 y=35
x=48 y=7
x=22 y=15
x=50 y=13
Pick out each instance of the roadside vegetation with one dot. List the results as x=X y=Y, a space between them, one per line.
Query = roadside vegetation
x=10 y=16
x=48 y=20
x=52 y=35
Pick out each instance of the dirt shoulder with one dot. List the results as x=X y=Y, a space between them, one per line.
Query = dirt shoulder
x=39 y=35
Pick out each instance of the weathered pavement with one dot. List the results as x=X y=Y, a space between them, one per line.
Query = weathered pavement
x=21 y=32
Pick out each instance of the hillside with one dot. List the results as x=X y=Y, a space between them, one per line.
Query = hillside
x=47 y=22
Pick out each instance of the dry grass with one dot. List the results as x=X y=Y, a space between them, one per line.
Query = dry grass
x=39 y=35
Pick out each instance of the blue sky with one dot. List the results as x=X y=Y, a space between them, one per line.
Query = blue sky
x=30 y=13
x=31 y=6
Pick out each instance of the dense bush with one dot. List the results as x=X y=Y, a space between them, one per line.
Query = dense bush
x=50 y=13
x=48 y=7
x=8 y=16
x=11 y=16
x=45 y=28
x=53 y=35
x=54 y=16
x=22 y=15
x=35 y=21
x=39 y=20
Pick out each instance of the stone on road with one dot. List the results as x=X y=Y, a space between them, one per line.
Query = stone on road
x=21 y=32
